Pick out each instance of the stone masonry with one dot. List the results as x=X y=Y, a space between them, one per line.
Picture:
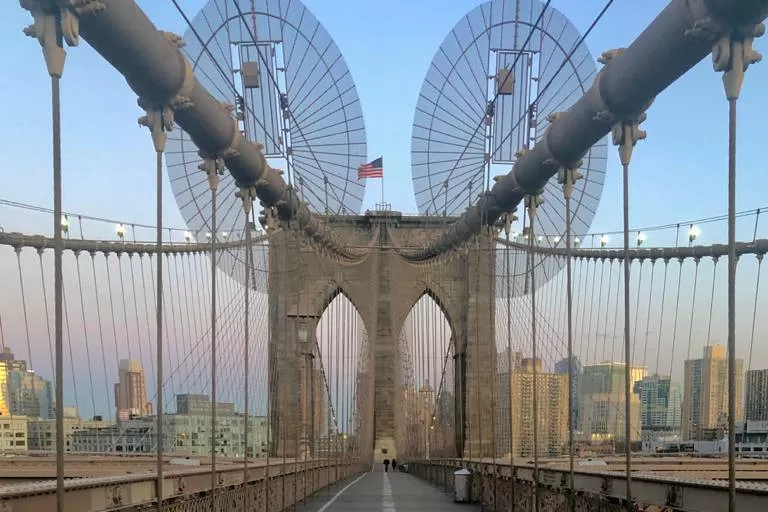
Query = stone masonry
x=383 y=286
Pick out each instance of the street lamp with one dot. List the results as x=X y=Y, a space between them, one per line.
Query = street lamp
x=603 y=241
x=693 y=233
x=224 y=235
x=188 y=236
x=120 y=231
x=576 y=242
x=208 y=235
x=557 y=240
x=641 y=238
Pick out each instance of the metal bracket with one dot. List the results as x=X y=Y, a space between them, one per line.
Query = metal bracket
x=606 y=487
x=674 y=496
x=115 y=495
x=732 y=54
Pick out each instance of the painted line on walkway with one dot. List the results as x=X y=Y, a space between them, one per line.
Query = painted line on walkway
x=350 y=484
x=387 y=505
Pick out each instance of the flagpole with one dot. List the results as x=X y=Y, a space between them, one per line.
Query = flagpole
x=382 y=189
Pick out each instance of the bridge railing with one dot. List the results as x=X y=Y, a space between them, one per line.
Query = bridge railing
x=510 y=487
x=281 y=485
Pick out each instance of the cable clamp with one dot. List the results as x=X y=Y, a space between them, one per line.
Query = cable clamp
x=532 y=203
x=732 y=54
x=567 y=177
x=159 y=120
x=213 y=167
x=625 y=135
x=51 y=24
x=247 y=195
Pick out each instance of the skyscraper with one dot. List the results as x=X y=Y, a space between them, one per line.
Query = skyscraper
x=561 y=368
x=660 y=405
x=24 y=393
x=551 y=422
x=131 y=391
x=705 y=394
x=603 y=401
x=757 y=395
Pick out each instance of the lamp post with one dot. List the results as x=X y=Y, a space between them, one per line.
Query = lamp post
x=65 y=226
x=188 y=236
x=120 y=230
x=641 y=238
x=693 y=233
x=603 y=241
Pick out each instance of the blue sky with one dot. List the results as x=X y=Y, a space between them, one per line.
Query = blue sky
x=677 y=173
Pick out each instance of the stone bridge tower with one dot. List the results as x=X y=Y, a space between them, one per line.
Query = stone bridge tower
x=383 y=287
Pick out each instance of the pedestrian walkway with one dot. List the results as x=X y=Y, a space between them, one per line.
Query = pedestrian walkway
x=386 y=492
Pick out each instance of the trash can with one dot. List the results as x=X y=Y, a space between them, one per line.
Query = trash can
x=461 y=485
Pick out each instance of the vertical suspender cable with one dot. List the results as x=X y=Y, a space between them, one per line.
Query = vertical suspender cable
x=53 y=43
x=570 y=176
x=732 y=303
x=247 y=204
x=732 y=54
x=157 y=123
x=532 y=205
x=626 y=133
x=508 y=380
x=159 y=327
x=211 y=166
x=627 y=348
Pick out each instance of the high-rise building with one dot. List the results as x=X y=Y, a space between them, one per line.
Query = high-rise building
x=131 y=391
x=602 y=401
x=705 y=394
x=660 y=405
x=24 y=393
x=757 y=395
x=561 y=368
x=552 y=417
x=5 y=407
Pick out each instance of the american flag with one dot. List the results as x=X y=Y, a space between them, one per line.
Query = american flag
x=373 y=169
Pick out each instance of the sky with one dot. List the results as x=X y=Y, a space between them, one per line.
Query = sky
x=677 y=174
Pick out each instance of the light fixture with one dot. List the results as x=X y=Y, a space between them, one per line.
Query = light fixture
x=539 y=238
x=64 y=224
x=208 y=235
x=641 y=238
x=120 y=231
x=576 y=242
x=557 y=240
x=693 y=233
x=188 y=236
x=224 y=235
x=603 y=241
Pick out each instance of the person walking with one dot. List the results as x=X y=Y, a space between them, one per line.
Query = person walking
x=394 y=464
x=386 y=465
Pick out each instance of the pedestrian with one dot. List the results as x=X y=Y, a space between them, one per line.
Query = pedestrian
x=386 y=465
x=394 y=464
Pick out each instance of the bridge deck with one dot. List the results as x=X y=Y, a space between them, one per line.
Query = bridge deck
x=387 y=492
